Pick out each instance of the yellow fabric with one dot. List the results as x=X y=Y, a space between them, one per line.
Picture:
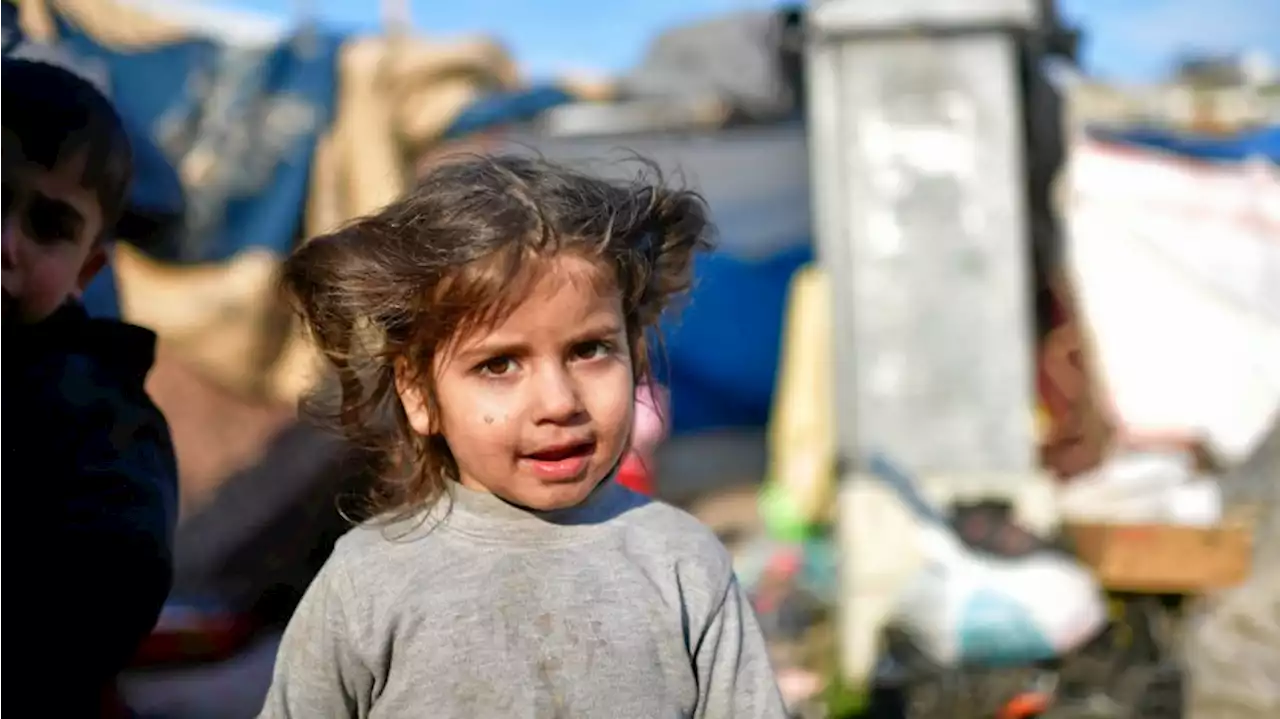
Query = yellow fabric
x=802 y=428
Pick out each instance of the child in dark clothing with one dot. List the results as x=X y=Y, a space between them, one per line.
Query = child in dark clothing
x=102 y=474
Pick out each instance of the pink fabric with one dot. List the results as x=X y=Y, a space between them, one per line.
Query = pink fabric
x=650 y=427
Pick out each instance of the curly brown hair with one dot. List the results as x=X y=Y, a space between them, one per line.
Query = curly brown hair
x=386 y=293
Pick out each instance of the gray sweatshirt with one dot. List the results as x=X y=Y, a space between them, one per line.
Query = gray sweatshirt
x=621 y=607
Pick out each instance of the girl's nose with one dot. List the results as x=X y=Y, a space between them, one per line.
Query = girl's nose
x=558 y=400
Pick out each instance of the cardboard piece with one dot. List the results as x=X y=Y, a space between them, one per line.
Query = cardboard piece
x=1167 y=559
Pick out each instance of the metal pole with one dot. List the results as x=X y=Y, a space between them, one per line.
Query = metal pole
x=920 y=205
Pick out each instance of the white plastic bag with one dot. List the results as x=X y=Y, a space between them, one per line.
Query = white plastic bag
x=965 y=608
x=971 y=608
x=1141 y=488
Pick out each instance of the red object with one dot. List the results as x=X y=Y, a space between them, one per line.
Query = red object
x=634 y=474
x=1026 y=706
x=185 y=635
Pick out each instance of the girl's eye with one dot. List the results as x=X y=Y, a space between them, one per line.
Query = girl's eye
x=497 y=367
x=591 y=350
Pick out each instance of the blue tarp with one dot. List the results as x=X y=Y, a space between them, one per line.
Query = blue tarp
x=255 y=117
x=504 y=108
x=252 y=115
x=721 y=352
x=1262 y=142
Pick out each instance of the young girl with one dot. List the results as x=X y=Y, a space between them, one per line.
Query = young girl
x=499 y=314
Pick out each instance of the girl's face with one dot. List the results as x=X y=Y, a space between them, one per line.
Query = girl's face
x=538 y=409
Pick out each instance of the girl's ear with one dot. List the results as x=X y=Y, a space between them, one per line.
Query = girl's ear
x=413 y=398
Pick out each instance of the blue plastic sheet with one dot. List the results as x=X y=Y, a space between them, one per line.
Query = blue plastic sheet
x=721 y=352
x=1263 y=142
x=504 y=108
x=251 y=118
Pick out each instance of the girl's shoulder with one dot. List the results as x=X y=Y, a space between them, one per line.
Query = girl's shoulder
x=674 y=537
x=670 y=521
x=385 y=545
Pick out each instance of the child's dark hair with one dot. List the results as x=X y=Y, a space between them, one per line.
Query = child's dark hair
x=53 y=114
x=456 y=254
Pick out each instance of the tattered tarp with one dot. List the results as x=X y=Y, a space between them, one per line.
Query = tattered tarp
x=247 y=118
x=1260 y=143
x=1178 y=268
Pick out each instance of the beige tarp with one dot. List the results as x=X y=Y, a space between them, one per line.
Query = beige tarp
x=396 y=95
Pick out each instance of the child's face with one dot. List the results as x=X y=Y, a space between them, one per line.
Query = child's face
x=51 y=226
x=538 y=410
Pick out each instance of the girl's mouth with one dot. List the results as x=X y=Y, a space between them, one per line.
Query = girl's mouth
x=562 y=463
